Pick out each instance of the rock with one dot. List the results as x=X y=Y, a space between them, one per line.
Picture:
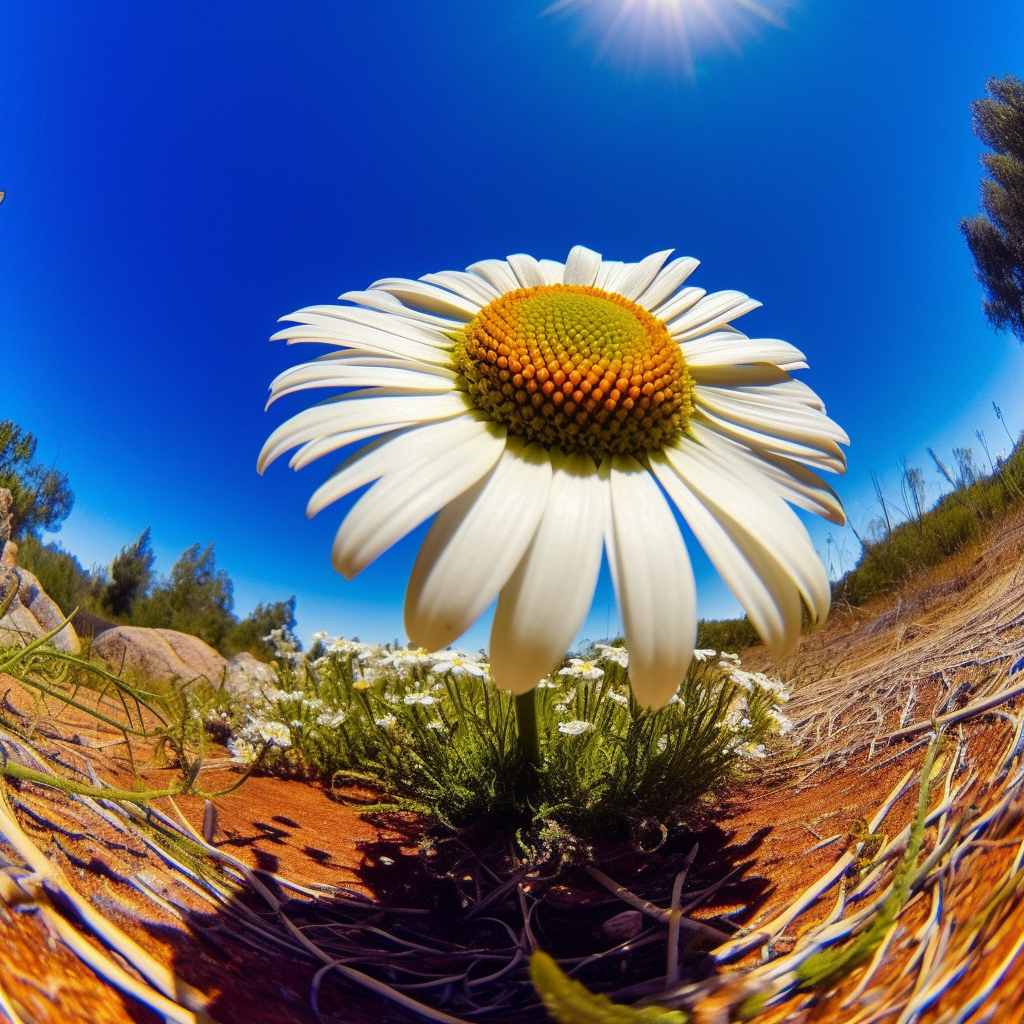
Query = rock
x=160 y=655
x=5 y=524
x=32 y=614
x=623 y=927
x=246 y=673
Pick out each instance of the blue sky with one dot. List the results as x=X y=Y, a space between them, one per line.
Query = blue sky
x=178 y=177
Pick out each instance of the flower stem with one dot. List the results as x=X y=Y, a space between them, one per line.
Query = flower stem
x=526 y=728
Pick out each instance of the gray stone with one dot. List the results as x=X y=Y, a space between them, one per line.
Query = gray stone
x=160 y=655
x=31 y=614
x=246 y=674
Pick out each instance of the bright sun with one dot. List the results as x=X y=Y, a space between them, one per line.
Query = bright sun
x=669 y=34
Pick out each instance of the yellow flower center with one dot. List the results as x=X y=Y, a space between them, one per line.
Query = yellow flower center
x=577 y=367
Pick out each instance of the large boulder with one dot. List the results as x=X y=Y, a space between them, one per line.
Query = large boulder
x=247 y=675
x=31 y=614
x=160 y=655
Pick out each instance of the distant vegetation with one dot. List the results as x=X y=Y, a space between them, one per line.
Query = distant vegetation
x=893 y=552
x=196 y=597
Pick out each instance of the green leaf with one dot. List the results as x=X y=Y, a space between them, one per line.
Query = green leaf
x=571 y=1002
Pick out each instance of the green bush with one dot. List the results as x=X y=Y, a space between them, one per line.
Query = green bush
x=440 y=738
x=960 y=517
x=61 y=575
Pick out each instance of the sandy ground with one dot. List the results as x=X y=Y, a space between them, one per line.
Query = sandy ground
x=891 y=668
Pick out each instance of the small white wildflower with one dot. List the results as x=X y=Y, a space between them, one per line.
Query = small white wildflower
x=727 y=657
x=619 y=698
x=548 y=684
x=460 y=665
x=581 y=669
x=241 y=750
x=386 y=722
x=662 y=743
x=331 y=721
x=425 y=699
x=276 y=733
x=436 y=724
x=561 y=708
x=296 y=723
x=618 y=655
x=752 y=750
x=704 y=653
x=320 y=634
x=575 y=728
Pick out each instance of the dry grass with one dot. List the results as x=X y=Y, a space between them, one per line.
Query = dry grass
x=127 y=893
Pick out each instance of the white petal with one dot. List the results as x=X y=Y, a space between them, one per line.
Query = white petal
x=653 y=582
x=324 y=330
x=384 y=302
x=393 y=321
x=814 y=452
x=743 y=560
x=721 y=349
x=741 y=495
x=392 y=455
x=736 y=375
x=582 y=266
x=474 y=545
x=790 y=480
x=683 y=300
x=712 y=310
x=614 y=274
x=545 y=601
x=527 y=270
x=552 y=270
x=469 y=286
x=348 y=413
x=313 y=450
x=608 y=271
x=498 y=274
x=794 y=421
x=667 y=282
x=641 y=274
x=317 y=375
x=401 y=500
x=427 y=297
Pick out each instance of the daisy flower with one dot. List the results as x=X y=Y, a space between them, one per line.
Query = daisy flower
x=548 y=413
x=575 y=728
x=580 y=669
x=460 y=665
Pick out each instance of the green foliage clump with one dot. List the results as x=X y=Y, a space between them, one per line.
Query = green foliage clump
x=966 y=514
x=131 y=574
x=41 y=498
x=60 y=574
x=440 y=739
x=734 y=635
x=253 y=633
x=196 y=598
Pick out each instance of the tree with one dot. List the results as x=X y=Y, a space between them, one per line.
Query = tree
x=131 y=574
x=41 y=497
x=196 y=598
x=249 y=634
x=996 y=237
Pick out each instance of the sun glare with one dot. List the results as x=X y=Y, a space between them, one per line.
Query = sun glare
x=669 y=35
